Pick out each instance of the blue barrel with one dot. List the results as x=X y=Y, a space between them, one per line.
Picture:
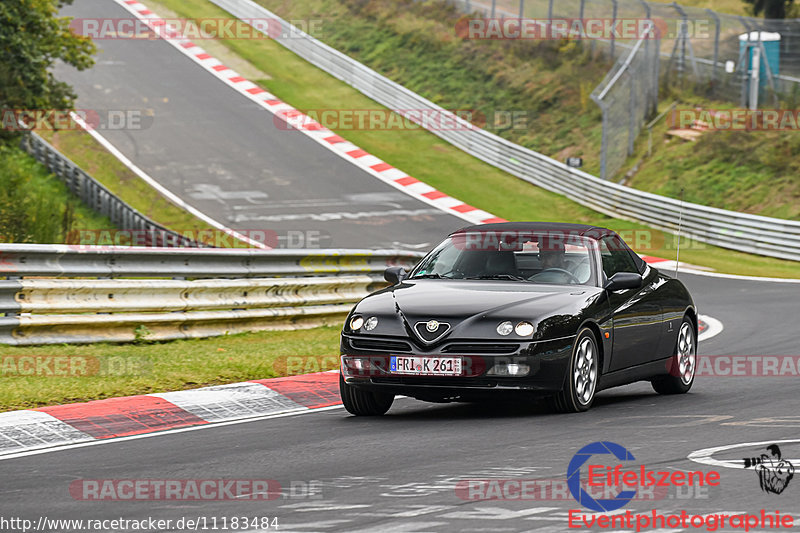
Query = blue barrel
x=772 y=46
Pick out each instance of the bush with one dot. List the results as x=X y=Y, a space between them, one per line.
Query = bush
x=36 y=206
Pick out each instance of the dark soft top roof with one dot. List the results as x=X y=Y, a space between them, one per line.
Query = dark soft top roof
x=588 y=230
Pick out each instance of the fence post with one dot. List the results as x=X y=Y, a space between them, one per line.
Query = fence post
x=604 y=136
x=613 y=23
x=682 y=36
x=744 y=60
x=716 y=45
x=522 y=9
x=646 y=9
x=494 y=7
x=631 y=111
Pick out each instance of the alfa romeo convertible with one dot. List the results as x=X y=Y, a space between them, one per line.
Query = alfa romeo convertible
x=529 y=309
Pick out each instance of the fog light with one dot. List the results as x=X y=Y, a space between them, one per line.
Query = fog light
x=509 y=369
x=505 y=328
x=357 y=366
x=524 y=329
x=371 y=322
x=356 y=322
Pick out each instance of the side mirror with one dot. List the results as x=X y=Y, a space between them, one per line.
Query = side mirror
x=394 y=275
x=622 y=281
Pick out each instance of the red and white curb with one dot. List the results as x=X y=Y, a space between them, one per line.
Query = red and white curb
x=71 y=425
x=304 y=124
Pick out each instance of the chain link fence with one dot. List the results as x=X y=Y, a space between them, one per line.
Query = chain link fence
x=627 y=95
x=696 y=49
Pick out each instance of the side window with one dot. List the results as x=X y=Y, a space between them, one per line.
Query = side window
x=616 y=257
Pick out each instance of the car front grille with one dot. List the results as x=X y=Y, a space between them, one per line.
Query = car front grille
x=465 y=348
x=380 y=345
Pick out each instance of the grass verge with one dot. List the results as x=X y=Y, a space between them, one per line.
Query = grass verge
x=36 y=206
x=125 y=369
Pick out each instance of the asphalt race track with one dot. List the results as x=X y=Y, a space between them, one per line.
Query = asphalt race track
x=397 y=473
x=225 y=155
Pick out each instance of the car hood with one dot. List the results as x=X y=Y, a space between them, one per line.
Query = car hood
x=474 y=308
x=463 y=299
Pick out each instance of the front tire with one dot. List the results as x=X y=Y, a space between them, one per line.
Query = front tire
x=682 y=365
x=581 y=384
x=364 y=403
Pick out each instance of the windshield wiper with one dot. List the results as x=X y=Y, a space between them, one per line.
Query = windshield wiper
x=427 y=276
x=509 y=277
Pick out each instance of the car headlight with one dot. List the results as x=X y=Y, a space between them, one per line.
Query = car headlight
x=370 y=323
x=356 y=322
x=505 y=328
x=524 y=329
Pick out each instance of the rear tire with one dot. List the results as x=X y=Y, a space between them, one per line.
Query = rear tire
x=682 y=365
x=364 y=403
x=584 y=371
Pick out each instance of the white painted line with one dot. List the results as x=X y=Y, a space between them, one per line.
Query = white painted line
x=715 y=327
x=705 y=456
x=738 y=277
x=174 y=198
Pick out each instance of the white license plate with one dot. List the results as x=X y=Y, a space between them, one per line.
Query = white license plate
x=425 y=366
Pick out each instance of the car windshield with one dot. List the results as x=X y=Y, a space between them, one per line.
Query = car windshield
x=553 y=258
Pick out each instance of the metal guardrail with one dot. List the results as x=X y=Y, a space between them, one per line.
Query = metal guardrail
x=98 y=198
x=729 y=229
x=190 y=293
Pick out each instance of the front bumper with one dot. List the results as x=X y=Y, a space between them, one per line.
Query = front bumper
x=548 y=362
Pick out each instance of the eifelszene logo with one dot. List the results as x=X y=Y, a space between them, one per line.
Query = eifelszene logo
x=774 y=473
x=615 y=486
x=574 y=476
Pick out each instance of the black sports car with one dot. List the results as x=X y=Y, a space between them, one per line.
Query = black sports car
x=538 y=309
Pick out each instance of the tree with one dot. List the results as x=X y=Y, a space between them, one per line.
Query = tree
x=32 y=38
x=772 y=9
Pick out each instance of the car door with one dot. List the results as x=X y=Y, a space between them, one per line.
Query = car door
x=637 y=316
